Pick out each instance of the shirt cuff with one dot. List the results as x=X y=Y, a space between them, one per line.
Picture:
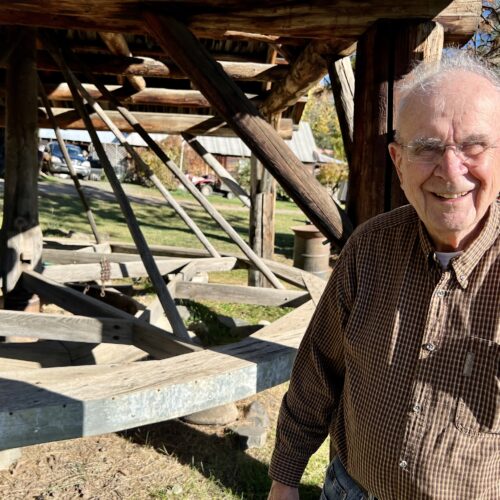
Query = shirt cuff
x=287 y=469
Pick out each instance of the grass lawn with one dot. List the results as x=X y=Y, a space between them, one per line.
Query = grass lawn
x=61 y=212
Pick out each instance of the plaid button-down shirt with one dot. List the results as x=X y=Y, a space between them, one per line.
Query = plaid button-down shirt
x=401 y=363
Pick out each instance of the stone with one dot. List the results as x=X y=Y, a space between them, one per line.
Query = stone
x=257 y=414
x=219 y=415
x=249 y=436
x=230 y=322
x=9 y=457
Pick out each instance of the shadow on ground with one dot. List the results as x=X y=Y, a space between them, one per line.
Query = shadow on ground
x=215 y=456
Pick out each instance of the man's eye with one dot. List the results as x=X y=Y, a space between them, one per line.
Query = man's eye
x=424 y=149
x=473 y=148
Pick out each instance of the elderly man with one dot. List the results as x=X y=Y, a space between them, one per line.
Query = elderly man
x=401 y=362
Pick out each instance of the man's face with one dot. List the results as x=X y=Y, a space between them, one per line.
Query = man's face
x=453 y=193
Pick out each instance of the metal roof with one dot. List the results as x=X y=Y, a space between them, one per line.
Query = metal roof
x=302 y=142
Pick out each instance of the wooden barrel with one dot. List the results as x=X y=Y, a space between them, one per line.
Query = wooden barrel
x=309 y=252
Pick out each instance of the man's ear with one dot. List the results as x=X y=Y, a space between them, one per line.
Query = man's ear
x=396 y=152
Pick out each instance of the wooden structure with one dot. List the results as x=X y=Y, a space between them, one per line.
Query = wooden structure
x=232 y=67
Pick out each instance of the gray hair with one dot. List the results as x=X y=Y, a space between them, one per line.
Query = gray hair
x=425 y=77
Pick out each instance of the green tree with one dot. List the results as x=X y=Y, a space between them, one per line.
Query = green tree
x=321 y=115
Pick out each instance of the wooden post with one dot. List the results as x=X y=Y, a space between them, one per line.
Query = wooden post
x=241 y=114
x=342 y=79
x=21 y=236
x=384 y=54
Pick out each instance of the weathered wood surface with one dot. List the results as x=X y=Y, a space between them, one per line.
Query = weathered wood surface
x=240 y=294
x=342 y=81
x=372 y=179
x=149 y=96
x=305 y=72
x=63 y=403
x=60 y=256
x=21 y=236
x=168 y=123
x=242 y=115
x=296 y=19
x=157 y=342
x=117 y=45
x=105 y=64
x=92 y=272
x=62 y=327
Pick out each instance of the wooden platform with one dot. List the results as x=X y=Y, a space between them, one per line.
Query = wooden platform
x=84 y=373
x=38 y=406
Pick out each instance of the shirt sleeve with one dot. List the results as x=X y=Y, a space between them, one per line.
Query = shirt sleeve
x=317 y=378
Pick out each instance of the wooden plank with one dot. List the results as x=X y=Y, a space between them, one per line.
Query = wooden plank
x=63 y=403
x=240 y=294
x=153 y=340
x=62 y=327
x=92 y=272
x=58 y=256
x=242 y=115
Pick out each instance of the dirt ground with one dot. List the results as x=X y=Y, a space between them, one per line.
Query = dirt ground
x=168 y=460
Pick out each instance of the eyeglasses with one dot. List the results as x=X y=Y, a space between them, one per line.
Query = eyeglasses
x=430 y=151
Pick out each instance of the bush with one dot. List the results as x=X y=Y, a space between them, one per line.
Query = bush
x=331 y=174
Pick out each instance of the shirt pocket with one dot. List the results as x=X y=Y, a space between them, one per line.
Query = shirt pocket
x=478 y=408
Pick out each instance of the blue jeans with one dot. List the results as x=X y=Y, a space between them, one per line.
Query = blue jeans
x=340 y=486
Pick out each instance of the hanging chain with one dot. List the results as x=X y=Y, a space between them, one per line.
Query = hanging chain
x=105 y=274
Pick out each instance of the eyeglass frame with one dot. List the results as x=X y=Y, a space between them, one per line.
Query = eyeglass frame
x=440 y=149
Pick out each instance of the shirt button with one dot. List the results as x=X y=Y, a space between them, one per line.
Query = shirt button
x=430 y=347
x=403 y=464
x=440 y=293
x=416 y=408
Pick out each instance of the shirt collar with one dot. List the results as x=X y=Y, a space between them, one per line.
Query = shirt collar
x=464 y=264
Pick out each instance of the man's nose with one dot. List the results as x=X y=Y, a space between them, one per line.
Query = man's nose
x=452 y=164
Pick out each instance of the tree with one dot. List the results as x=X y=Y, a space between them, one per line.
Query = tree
x=486 y=40
x=321 y=115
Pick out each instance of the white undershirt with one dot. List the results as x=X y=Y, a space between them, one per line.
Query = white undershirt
x=445 y=257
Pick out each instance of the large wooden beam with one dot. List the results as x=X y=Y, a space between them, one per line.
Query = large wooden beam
x=21 y=236
x=117 y=45
x=305 y=19
x=166 y=123
x=49 y=405
x=385 y=53
x=242 y=115
x=304 y=73
x=153 y=340
x=102 y=64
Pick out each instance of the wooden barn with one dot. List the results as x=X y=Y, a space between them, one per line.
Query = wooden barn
x=187 y=67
